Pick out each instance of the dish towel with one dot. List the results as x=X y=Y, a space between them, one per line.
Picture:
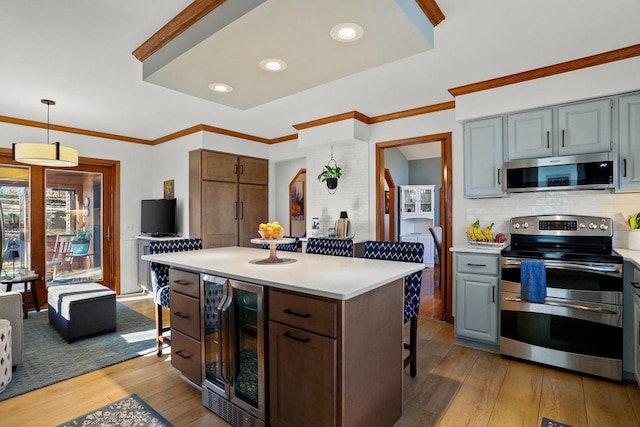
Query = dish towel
x=533 y=281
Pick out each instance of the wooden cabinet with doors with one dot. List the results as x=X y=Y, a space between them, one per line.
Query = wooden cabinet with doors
x=228 y=197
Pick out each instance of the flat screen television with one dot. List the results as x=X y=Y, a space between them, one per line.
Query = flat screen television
x=158 y=217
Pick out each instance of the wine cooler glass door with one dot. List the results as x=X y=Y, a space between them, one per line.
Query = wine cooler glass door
x=216 y=338
x=248 y=347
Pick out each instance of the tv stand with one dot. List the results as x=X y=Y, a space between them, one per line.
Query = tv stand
x=144 y=273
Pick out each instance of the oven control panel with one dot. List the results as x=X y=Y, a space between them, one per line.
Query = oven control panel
x=562 y=225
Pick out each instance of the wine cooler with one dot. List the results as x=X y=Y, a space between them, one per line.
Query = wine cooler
x=234 y=384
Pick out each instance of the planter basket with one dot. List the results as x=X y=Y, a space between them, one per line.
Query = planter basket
x=79 y=248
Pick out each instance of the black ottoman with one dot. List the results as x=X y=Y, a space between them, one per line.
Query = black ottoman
x=82 y=309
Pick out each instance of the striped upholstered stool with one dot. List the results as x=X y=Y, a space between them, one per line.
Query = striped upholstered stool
x=409 y=252
x=335 y=247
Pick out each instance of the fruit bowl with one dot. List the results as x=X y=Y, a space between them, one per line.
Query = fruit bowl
x=273 y=235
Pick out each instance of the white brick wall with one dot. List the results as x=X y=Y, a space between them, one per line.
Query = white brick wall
x=352 y=194
x=595 y=203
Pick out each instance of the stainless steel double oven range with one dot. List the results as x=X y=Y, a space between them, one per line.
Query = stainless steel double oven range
x=579 y=326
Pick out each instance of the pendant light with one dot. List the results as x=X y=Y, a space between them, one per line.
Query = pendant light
x=49 y=154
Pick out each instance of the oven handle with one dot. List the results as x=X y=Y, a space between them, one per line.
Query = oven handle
x=565 y=265
x=562 y=304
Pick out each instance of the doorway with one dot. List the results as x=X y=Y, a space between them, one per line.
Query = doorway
x=446 y=200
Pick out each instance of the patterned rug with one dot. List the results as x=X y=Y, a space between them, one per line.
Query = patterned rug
x=49 y=359
x=130 y=411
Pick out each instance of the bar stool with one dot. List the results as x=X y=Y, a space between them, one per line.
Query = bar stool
x=336 y=247
x=408 y=252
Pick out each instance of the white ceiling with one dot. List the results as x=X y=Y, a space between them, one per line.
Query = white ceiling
x=79 y=54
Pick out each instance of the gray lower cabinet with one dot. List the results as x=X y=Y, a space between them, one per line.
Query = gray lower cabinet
x=477 y=278
x=483 y=157
x=629 y=122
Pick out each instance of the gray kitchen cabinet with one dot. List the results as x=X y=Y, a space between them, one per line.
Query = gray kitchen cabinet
x=476 y=284
x=629 y=138
x=564 y=130
x=529 y=134
x=483 y=157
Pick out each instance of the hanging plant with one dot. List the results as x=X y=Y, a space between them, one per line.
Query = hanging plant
x=330 y=173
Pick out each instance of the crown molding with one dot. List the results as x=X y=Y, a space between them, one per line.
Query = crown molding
x=550 y=70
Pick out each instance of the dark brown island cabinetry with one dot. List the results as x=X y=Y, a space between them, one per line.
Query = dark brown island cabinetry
x=335 y=362
x=228 y=197
x=186 y=338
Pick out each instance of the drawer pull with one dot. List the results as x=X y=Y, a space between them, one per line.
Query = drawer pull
x=302 y=340
x=182 y=282
x=293 y=313
x=635 y=285
x=182 y=316
x=183 y=354
x=476 y=265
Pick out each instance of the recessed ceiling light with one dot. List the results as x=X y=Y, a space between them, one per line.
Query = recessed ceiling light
x=273 y=64
x=346 y=32
x=221 y=87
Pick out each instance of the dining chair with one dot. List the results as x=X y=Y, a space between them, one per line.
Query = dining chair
x=436 y=232
x=160 y=281
x=408 y=252
x=324 y=246
x=290 y=247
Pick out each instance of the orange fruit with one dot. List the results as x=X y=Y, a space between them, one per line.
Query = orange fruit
x=262 y=227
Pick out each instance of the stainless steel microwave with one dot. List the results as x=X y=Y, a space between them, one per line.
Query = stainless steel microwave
x=582 y=172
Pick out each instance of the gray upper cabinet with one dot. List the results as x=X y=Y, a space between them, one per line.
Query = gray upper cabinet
x=584 y=127
x=565 y=130
x=629 y=121
x=483 y=157
x=529 y=134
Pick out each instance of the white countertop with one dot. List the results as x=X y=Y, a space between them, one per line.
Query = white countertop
x=629 y=255
x=481 y=249
x=334 y=277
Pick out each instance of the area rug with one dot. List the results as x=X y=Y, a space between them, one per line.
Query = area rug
x=49 y=359
x=130 y=411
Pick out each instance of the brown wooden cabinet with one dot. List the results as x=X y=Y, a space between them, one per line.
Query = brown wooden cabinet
x=335 y=363
x=302 y=361
x=186 y=334
x=228 y=197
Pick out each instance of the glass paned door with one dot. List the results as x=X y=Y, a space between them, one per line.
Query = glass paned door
x=425 y=200
x=215 y=339
x=73 y=226
x=15 y=198
x=409 y=200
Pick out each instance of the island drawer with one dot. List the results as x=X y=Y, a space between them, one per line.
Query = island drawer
x=185 y=314
x=477 y=264
x=185 y=356
x=184 y=282
x=307 y=313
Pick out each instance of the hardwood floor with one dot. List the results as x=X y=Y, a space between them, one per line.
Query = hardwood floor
x=430 y=301
x=454 y=386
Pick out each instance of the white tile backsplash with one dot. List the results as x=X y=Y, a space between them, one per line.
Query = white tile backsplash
x=594 y=203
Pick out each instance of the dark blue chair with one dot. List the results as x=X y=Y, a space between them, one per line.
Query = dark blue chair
x=160 y=281
x=408 y=252
x=336 y=247
x=290 y=247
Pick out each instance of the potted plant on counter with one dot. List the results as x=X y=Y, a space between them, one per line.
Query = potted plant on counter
x=80 y=243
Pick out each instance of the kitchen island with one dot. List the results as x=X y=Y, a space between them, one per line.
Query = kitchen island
x=358 y=378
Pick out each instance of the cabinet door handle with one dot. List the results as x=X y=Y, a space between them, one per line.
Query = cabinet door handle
x=236 y=210
x=493 y=294
x=548 y=138
x=241 y=169
x=183 y=354
x=624 y=163
x=241 y=210
x=293 y=313
x=182 y=316
x=563 y=137
x=476 y=265
x=499 y=170
x=303 y=340
x=182 y=282
x=235 y=171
